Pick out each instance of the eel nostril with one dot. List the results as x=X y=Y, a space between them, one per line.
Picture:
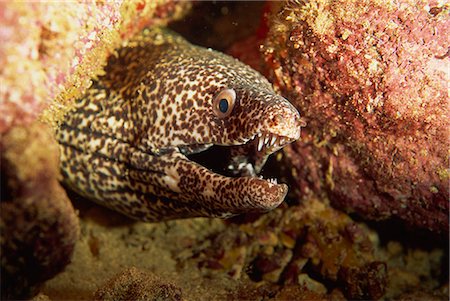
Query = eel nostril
x=277 y=119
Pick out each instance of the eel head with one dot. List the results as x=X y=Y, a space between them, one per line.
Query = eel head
x=232 y=130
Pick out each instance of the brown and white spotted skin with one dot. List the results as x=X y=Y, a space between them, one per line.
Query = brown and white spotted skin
x=127 y=144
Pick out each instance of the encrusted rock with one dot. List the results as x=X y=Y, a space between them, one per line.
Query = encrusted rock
x=48 y=56
x=366 y=282
x=371 y=80
x=52 y=61
x=321 y=241
x=269 y=267
x=306 y=282
x=38 y=225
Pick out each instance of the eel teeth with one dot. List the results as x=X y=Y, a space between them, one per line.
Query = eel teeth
x=274 y=139
x=260 y=144
x=269 y=140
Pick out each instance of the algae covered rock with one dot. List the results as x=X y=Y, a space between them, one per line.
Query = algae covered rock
x=371 y=80
x=49 y=54
x=309 y=246
x=50 y=51
x=38 y=225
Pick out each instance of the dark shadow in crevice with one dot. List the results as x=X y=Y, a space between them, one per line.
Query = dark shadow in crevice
x=218 y=24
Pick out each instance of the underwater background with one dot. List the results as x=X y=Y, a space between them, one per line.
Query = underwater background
x=367 y=213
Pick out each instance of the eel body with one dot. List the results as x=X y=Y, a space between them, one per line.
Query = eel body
x=131 y=141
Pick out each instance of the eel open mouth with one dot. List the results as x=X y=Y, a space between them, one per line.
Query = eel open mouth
x=238 y=166
x=240 y=160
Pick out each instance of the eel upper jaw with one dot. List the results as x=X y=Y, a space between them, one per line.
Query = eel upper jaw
x=264 y=144
x=240 y=159
x=270 y=142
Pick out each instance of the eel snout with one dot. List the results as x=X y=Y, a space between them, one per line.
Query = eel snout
x=281 y=126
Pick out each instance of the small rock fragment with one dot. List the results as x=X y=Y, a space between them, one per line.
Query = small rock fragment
x=38 y=225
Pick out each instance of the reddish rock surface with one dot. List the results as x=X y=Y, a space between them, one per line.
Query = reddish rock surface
x=38 y=225
x=51 y=50
x=48 y=55
x=371 y=80
x=305 y=245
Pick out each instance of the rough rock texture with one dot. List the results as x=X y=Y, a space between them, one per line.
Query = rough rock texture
x=48 y=55
x=38 y=225
x=51 y=50
x=408 y=269
x=306 y=245
x=135 y=284
x=295 y=253
x=371 y=80
x=211 y=260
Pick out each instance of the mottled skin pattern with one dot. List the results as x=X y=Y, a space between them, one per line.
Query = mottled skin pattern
x=125 y=144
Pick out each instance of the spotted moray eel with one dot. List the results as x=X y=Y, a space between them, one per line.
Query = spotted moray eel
x=128 y=142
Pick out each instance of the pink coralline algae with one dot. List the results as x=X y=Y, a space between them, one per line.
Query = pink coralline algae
x=371 y=80
x=50 y=51
x=38 y=224
x=48 y=54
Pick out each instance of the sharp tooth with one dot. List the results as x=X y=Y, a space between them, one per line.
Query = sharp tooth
x=282 y=141
x=266 y=140
x=274 y=139
x=259 y=134
x=241 y=165
x=260 y=144
x=273 y=181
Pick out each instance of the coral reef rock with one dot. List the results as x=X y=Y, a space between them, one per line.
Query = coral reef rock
x=371 y=80
x=52 y=61
x=306 y=245
x=49 y=54
x=38 y=225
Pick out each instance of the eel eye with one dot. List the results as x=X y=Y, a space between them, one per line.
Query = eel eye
x=223 y=103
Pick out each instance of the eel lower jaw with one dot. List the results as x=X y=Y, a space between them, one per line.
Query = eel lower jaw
x=227 y=195
x=237 y=166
